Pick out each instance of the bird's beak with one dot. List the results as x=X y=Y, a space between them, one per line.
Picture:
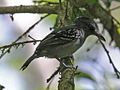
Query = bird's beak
x=100 y=36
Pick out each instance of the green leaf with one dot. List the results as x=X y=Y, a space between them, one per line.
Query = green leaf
x=82 y=74
x=92 y=1
x=118 y=29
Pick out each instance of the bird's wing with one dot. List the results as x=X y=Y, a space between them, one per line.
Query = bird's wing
x=58 y=37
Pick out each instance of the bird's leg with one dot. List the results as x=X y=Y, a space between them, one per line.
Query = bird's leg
x=66 y=61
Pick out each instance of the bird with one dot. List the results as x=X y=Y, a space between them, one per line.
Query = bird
x=66 y=40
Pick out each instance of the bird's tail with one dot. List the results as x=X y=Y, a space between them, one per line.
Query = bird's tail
x=25 y=65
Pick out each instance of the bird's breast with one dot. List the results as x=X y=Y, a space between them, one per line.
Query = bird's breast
x=63 y=50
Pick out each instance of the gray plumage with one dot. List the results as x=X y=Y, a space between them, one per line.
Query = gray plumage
x=65 y=41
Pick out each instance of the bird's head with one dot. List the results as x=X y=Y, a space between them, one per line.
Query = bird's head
x=89 y=26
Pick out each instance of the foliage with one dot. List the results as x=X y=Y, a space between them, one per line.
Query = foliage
x=67 y=11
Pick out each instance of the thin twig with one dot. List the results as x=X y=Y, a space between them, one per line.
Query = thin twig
x=118 y=7
x=111 y=16
x=19 y=43
x=29 y=29
x=48 y=86
x=107 y=52
x=60 y=3
x=31 y=37
x=54 y=74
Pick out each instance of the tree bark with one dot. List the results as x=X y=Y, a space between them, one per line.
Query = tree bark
x=42 y=9
x=66 y=81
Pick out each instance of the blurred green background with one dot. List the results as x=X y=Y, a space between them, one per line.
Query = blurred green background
x=98 y=72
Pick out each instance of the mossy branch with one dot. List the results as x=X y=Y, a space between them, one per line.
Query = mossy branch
x=29 y=9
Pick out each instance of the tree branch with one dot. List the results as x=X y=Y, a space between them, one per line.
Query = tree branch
x=29 y=9
x=19 y=43
x=30 y=28
x=110 y=59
